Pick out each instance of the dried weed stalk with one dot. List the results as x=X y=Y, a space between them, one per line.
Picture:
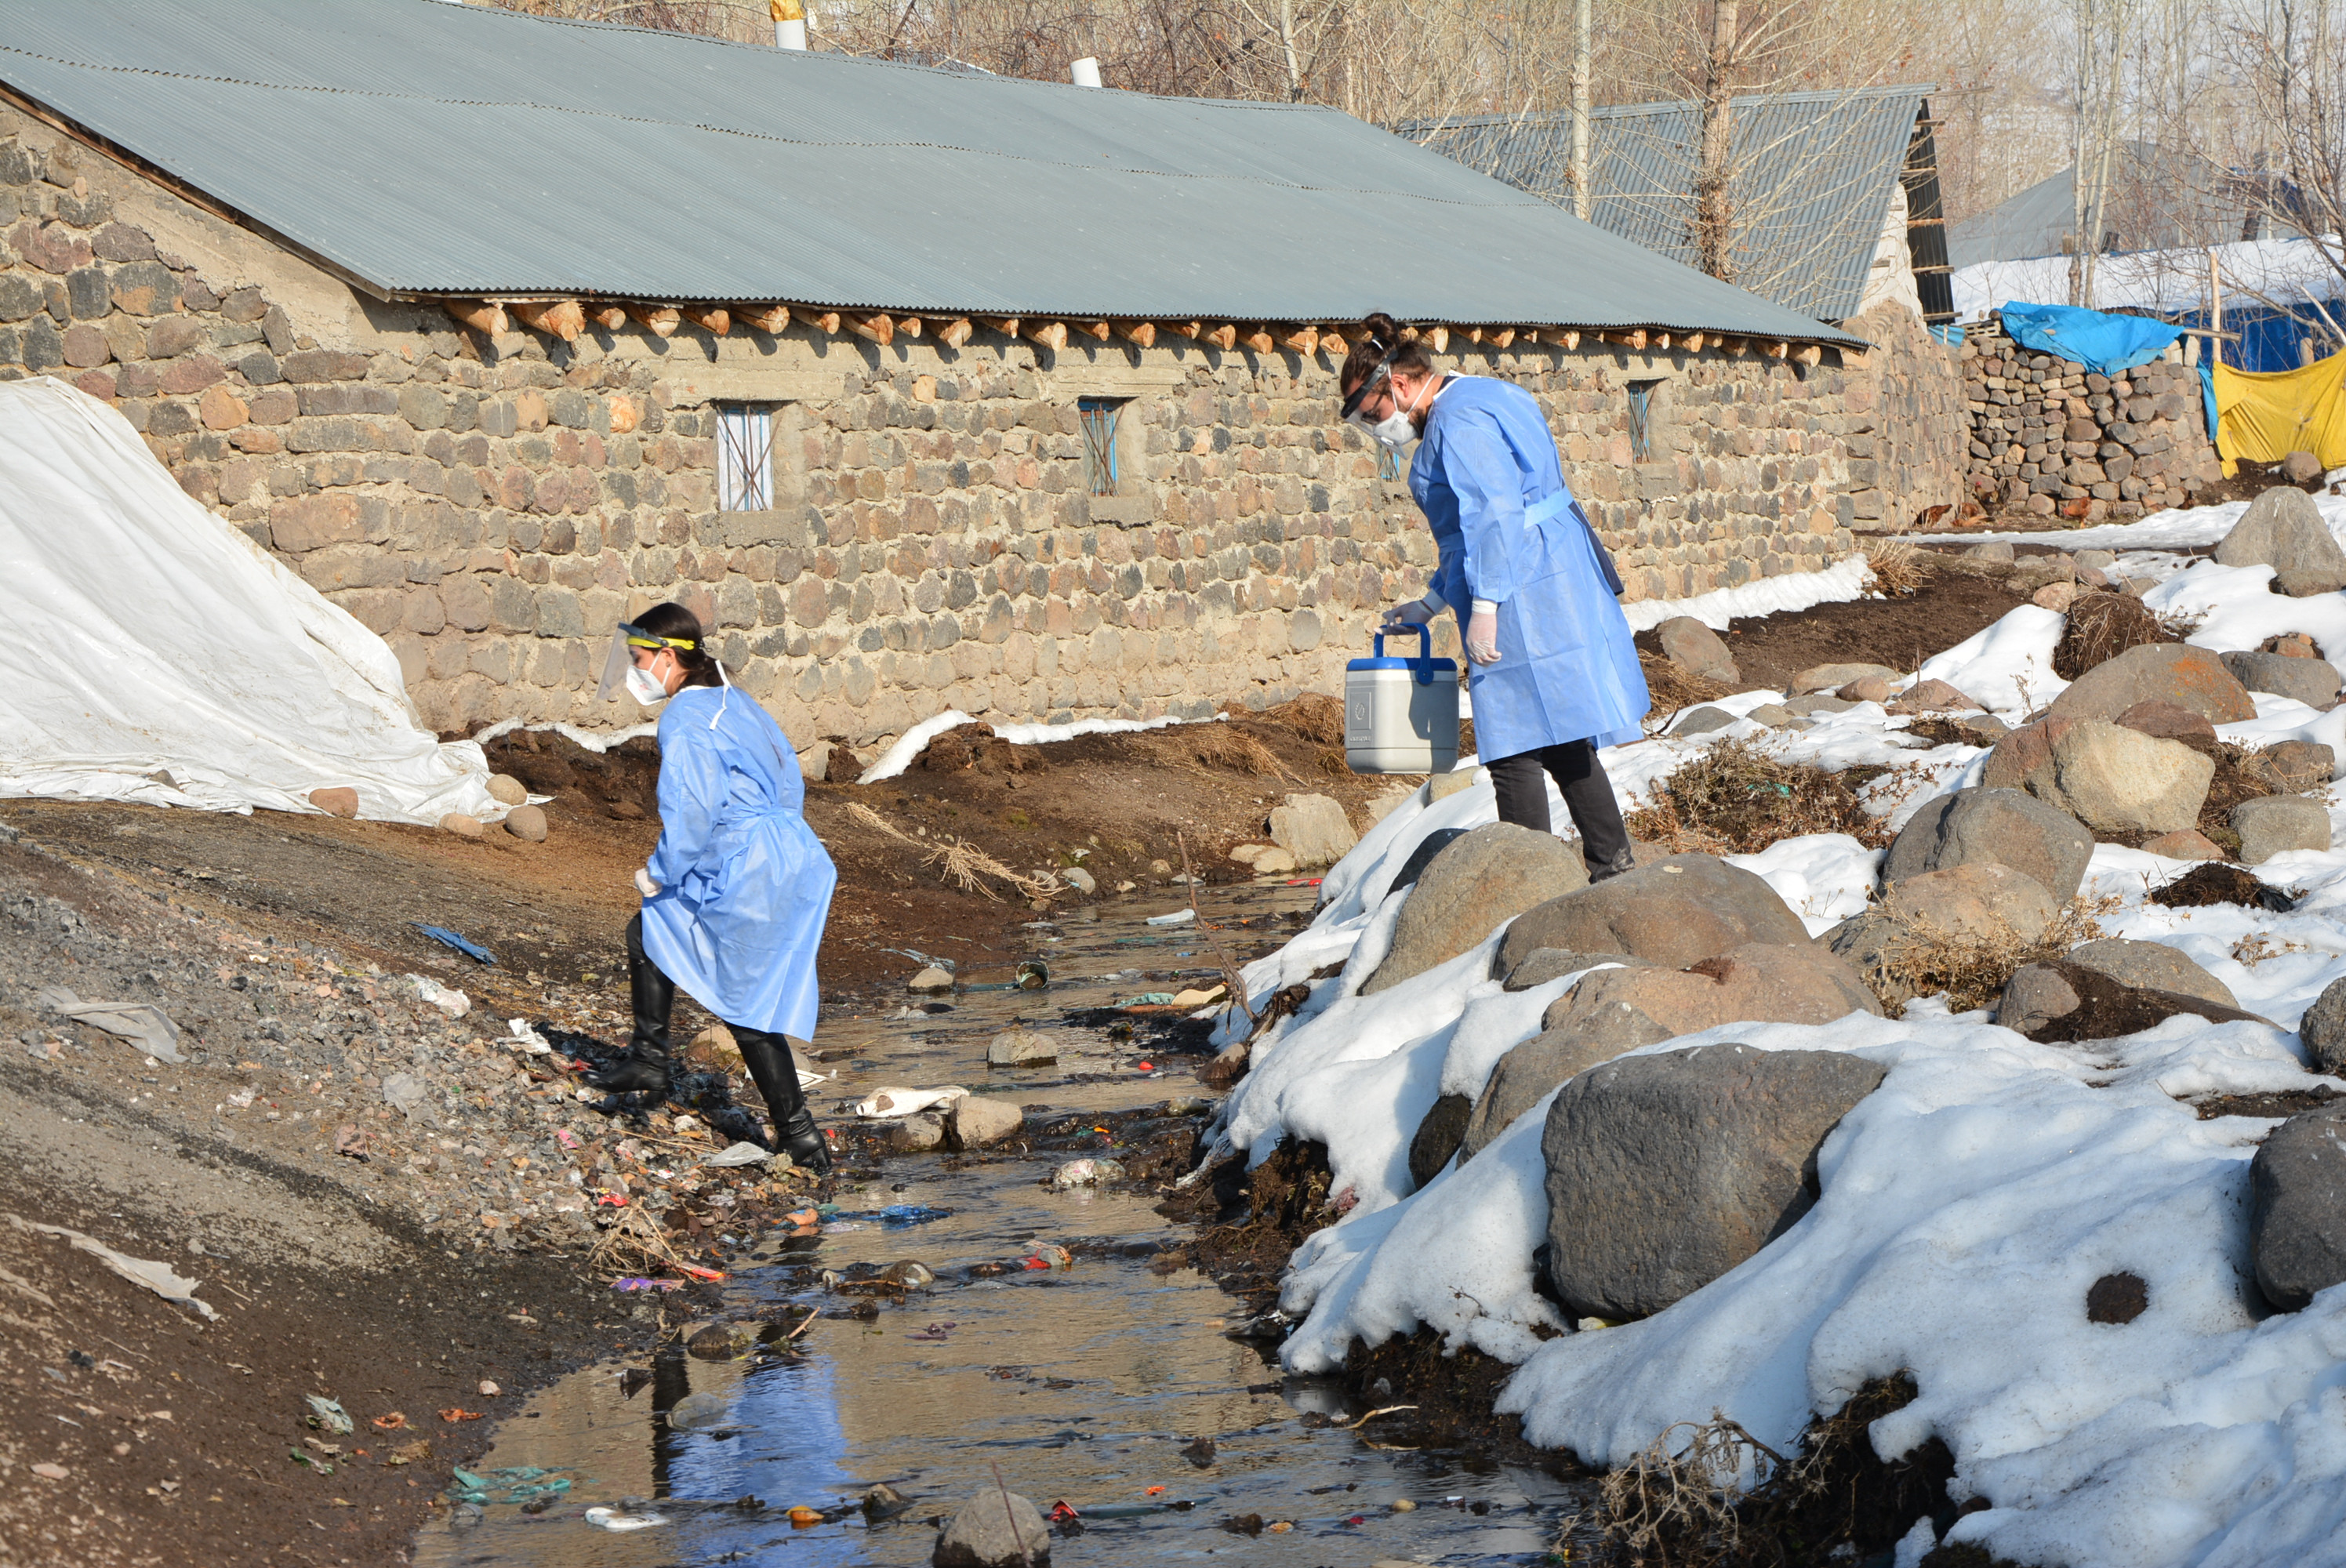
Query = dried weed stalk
x=1679 y=1502
x=635 y=1244
x=960 y=862
x=1897 y=568
x=1971 y=968
x=1735 y=799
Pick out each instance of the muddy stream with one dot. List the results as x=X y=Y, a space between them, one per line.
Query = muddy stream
x=1082 y=1384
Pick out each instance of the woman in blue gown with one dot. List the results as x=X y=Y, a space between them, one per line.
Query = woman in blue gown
x=737 y=892
x=1551 y=669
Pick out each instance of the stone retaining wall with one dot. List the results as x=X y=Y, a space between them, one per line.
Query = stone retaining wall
x=491 y=505
x=2049 y=435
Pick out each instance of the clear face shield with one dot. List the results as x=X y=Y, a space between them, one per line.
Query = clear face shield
x=1395 y=428
x=624 y=640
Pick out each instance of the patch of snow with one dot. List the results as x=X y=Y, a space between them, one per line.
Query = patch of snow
x=915 y=740
x=1837 y=583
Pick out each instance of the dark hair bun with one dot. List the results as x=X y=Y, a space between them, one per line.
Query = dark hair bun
x=1383 y=329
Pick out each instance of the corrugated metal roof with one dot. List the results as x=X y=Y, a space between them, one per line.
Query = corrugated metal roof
x=434 y=148
x=2159 y=201
x=1811 y=180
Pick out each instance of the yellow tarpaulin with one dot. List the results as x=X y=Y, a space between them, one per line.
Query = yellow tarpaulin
x=2266 y=415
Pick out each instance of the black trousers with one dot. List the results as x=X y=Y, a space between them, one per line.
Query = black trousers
x=1521 y=784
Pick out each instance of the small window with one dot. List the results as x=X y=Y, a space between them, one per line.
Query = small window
x=1641 y=417
x=745 y=458
x=1098 y=415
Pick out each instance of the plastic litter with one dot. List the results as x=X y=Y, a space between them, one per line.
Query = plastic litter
x=1150 y=999
x=897 y=1216
x=1085 y=1173
x=395 y=1421
x=738 y=1155
x=446 y=938
x=155 y=1277
x=612 y=1519
x=638 y=1282
x=803 y=1516
x=458 y=1413
x=148 y=1027
x=1178 y=916
x=327 y=1416
x=312 y=1460
x=527 y=1038
x=893 y=1102
x=446 y=998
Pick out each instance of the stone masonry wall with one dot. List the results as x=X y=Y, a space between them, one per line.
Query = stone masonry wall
x=2047 y=435
x=1907 y=423
x=490 y=505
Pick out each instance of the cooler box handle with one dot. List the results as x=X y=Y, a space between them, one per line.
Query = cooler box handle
x=1423 y=665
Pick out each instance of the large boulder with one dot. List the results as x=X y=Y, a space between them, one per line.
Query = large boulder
x=2107 y=776
x=1833 y=677
x=1697 y=650
x=1675 y=911
x=1437 y=1138
x=1617 y=1010
x=1313 y=829
x=2007 y=827
x=2323 y=1030
x=2297 y=1208
x=2290 y=766
x=2311 y=681
x=1545 y=963
x=2063 y=1001
x=2169 y=722
x=1421 y=855
x=1470 y=887
x=1665 y=1171
x=2283 y=529
x=2157 y=672
x=2151 y=966
x=994 y=1529
x=2271 y=825
x=1979 y=900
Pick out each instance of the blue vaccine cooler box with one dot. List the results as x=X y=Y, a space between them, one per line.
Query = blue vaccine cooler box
x=1401 y=715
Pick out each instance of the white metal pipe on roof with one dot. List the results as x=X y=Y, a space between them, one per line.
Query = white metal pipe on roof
x=1084 y=73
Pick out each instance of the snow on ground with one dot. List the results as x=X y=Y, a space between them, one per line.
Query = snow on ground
x=1967 y=1204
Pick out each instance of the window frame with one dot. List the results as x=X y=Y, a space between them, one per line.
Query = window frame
x=1641 y=420
x=745 y=478
x=1099 y=421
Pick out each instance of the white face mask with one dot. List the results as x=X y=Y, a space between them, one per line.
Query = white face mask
x=1394 y=429
x=644 y=686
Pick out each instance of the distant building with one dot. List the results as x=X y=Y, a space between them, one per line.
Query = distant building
x=2158 y=199
x=1835 y=195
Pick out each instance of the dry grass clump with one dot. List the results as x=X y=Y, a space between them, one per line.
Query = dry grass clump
x=1734 y=798
x=960 y=862
x=1970 y=968
x=1711 y=1495
x=1673 y=689
x=1315 y=716
x=2100 y=627
x=1898 y=568
x=634 y=1244
x=1226 y=746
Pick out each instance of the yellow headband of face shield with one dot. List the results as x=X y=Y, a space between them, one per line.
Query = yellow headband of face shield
x=637 y=637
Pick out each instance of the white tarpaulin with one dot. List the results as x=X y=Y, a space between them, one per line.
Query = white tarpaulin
x=150 y=652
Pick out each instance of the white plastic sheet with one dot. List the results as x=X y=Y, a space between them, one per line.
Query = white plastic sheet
x=153 y=653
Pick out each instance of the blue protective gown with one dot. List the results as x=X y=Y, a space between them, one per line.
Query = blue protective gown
x=745 y=886
x=1487 y=476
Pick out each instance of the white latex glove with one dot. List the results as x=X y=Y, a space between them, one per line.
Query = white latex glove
x=1417 y=612
x=644 y=883
x=1483 y=635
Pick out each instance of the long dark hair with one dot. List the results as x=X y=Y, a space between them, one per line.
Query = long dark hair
x=1385 y=344
x=673 y=620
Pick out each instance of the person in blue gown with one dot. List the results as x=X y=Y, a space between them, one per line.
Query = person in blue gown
x=737 y=892
x=1552 y=671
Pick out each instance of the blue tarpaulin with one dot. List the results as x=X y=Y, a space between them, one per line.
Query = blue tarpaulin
x=2093 y=339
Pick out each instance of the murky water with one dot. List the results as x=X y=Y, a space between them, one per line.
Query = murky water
x=1084 y=1384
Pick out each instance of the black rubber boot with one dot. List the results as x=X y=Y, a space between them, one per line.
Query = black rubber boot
x=768 y=1057
x=643 y=1069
